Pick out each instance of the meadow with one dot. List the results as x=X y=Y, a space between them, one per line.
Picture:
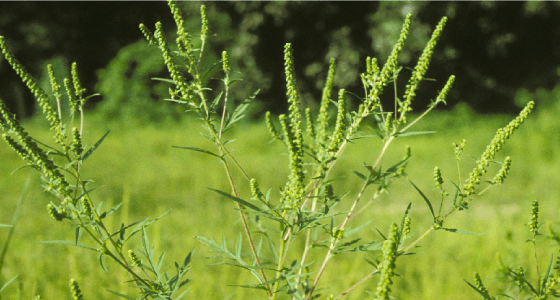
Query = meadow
x=137 y=165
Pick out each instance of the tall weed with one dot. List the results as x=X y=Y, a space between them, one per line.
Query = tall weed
x=292 y=233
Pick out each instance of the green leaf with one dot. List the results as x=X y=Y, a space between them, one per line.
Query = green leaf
x=164 y=80
x=362 y=176
x=350 y=232
x=454 y=230
x=200 y=150
x=7 y=283
x=70 y=243
x=409 y=133
x=206 y=70
x=95 y=146
x=239 y=110
x=102 y=262
x=425 y=199
x=121 y=295
x=216 y=100
x=78 y=234
x=6 y=225
x=238 y=200
x=110 y=211
x=546 y=277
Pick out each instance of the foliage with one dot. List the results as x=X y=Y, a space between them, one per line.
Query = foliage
x=307 y=210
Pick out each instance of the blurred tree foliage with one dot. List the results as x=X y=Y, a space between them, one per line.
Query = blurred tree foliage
x=494 y=48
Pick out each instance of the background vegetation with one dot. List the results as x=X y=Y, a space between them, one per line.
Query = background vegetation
x=138 y=166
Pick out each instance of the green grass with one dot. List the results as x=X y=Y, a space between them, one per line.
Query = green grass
x=137 y=165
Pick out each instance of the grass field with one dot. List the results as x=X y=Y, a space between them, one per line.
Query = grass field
x=137 y=165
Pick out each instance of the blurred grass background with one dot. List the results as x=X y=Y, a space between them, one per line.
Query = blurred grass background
x=137 y=165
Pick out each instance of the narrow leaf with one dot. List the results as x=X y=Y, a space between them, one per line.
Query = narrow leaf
x=121 y=295
x=199 y=150
x=240 y=201
x=362 y=176
x=7 y=283
x=546 y=277
x=102 y=263
x=479 y=291
x=95 y=146
x=163 y=79
x=414 y=133
x=425 y=198
x=70 y=243
x=454 y=230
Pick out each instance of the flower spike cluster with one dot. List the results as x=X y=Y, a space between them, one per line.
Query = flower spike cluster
x=419 y=71
x=294 y=136
x=495 y=145
x=388 y=264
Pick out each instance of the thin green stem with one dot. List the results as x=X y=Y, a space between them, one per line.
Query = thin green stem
x=280 y=261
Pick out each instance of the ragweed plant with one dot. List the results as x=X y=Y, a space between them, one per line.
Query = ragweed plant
x=305 y=209
x=61 y=165
x=517 y=280
x=302 y=226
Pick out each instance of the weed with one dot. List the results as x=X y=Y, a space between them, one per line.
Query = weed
x=306 y=210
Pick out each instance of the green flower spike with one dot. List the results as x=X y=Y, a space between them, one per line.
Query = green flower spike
x=294 y=188
x=76 y=292
x=392 y=61
x=387 y=265
x=76 y=145
x=148 y=34
x=519 y=277
x=458 y=149
x=55 y=213
x=340 y=127
x=183 y=39
x=323 y=118
x=87 y=207
x=406 y=227
x=204 y=29
x=55 y=88
x=420 y=71
x=135 y=260
x=179 y=80
x=271 y=129
x=225 y=62
x=256 y=191
x=78 y=89
x=480 y=286
x=71 y=97
x=38 y=92
x=495 y=145
x=437 y=178
x=502 y=174
x=310 y=127
x=534 y=223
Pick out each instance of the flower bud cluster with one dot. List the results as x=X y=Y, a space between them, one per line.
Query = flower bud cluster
x=534 y=223
x=419 y=71
x=502 y=174
x=340 y=127
x=480 y=286
x=495 y=145
x=323 y=117
x=388 y=265
x=76 y=292
x=134 y=258
x=294 y=137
